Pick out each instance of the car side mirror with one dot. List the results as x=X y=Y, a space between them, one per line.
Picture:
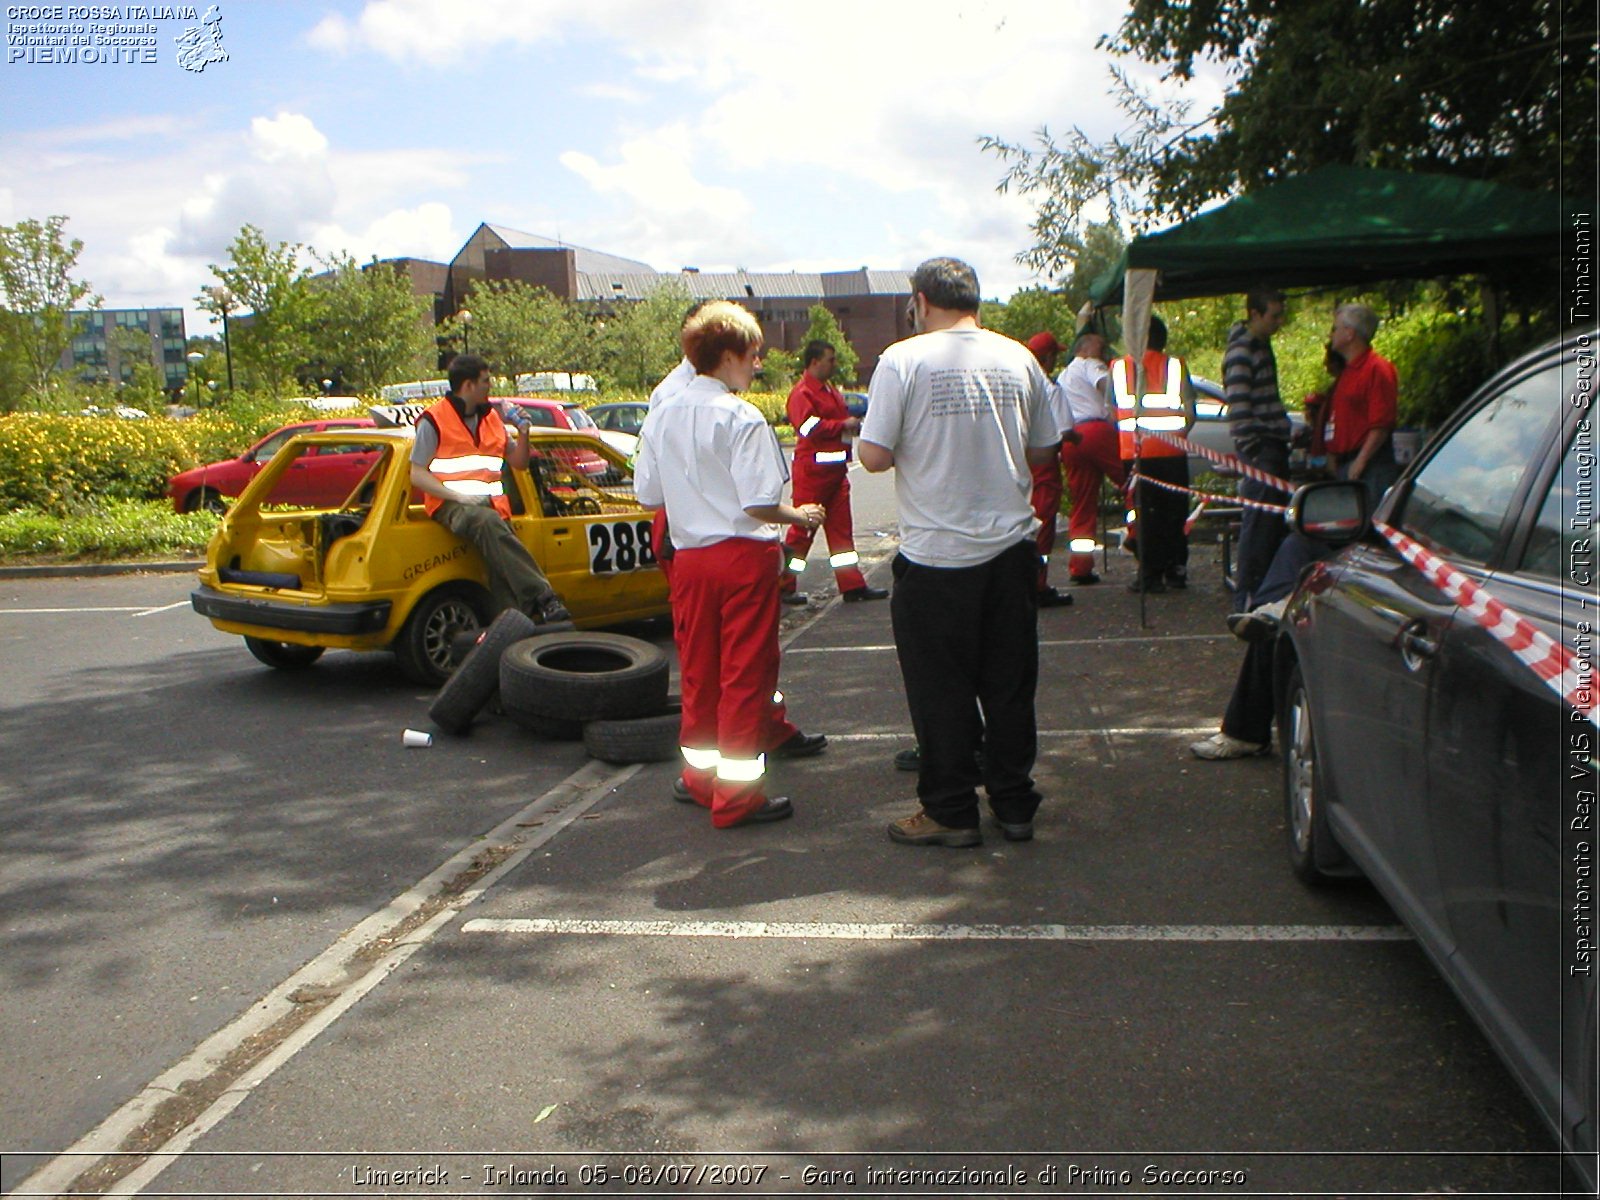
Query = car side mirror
x=1334 y=512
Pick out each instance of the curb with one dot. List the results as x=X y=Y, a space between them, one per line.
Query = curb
x=69 y=570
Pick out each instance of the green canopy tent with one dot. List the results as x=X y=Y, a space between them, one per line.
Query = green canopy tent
x=1335 y=226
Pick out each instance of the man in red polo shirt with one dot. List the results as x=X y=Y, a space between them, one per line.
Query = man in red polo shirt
x=1362 y=409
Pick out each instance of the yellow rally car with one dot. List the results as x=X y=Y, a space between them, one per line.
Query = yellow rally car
x=377 y=573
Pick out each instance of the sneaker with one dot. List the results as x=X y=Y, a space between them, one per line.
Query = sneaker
x=795 y=599
x=800 y=745
x=908 y=760
x=1259 y=624
x=1085 y=580
x=864 y=593
x=920 y=829
x=1050 y=598
x=552 y=610
x=1219 y=746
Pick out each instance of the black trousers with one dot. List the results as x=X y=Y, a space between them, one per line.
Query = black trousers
x=968 y=643
x=1163 y=549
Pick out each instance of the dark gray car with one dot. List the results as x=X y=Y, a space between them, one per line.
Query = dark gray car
x=1421 y=752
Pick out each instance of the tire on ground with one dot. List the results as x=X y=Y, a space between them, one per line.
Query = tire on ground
x=584 y=677
x=637 y=740
x=473 y=682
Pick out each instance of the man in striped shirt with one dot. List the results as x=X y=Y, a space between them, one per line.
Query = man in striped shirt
x=1260 y=428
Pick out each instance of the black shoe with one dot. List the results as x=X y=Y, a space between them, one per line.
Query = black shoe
x=1178 y=579
x=864 y=593
x=681 y=792
x=800 y=745
x=1014 y=831
x=794 y=599
x=1085 y=580
x=908 y=760
x=552 y=610
x=776 y=808
x=1152 y=587
x=1050 y=598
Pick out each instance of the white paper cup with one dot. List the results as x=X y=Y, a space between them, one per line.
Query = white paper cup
x=416 y=737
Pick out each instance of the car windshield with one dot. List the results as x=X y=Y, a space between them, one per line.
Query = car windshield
x=579 y=418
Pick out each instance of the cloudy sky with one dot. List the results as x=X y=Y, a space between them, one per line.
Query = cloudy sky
x=825 y=135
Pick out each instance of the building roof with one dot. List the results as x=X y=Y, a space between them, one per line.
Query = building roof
x=740 y=285
x=584 y=259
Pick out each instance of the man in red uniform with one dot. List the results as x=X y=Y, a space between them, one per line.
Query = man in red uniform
x=1363 y=409
x=1046 y=497
x=821 y=470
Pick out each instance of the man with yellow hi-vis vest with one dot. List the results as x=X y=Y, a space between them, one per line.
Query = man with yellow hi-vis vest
x=1166 y=405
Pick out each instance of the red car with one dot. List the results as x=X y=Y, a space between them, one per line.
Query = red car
x=319 y=479
x=560 y=414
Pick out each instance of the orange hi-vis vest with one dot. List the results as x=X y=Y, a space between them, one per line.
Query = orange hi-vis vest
x=1160 y=409
x=466 y=465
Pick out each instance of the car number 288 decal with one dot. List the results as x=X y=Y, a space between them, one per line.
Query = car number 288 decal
x=620 y=546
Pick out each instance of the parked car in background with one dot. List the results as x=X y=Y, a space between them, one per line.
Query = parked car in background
x=1211 y=430
x=1418 y=750
x=620 y=416
x=567 y=414
x=373 y=571
x=319 y=479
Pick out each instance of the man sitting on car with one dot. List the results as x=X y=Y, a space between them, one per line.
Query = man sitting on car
x=457 y=463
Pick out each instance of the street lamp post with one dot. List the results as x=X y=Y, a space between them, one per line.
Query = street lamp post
x=195 y=359
x=465 y=317
x=224 y=299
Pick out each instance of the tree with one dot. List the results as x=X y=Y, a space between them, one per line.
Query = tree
x=373 y=329
x=642 y=342
x=1031 y=311
x=37 y=296
x=519 y=328
x=1502 y=92
x=825 y=327
x=268 y=282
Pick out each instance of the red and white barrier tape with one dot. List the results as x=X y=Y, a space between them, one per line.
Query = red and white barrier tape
x=1263 y=505
x=1563 y=672
x=1230 y=461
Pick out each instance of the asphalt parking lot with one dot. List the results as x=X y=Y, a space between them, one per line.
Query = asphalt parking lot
x=496 y=961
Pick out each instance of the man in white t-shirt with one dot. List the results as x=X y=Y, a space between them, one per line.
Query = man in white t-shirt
x=1095 y=456
x=962 y=414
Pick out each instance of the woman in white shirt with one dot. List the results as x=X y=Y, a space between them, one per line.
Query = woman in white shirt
x=712 y=460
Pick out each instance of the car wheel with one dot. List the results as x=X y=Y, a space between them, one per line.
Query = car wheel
x=423 y=647
x=205 y=500
x=1313 y=852
x=584 y=677
x=640 y=740
x=285 y=656
x=477 y=676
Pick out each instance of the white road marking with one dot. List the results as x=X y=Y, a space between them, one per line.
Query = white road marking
x=909 y=931
x=51 y=612
x=881 y=648
x=339 y=968
x=164 y=608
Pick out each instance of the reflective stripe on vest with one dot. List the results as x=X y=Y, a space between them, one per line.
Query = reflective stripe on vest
x=466 y=466
x=1161 y=411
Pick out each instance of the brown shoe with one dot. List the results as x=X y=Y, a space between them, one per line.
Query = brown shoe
x=920 y=829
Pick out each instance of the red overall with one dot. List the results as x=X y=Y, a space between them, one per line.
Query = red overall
x=1046 y=506
x=821 y=473
x=725 y=621
x=1096 y=457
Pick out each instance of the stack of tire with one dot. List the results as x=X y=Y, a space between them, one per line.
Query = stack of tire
x=606 y=689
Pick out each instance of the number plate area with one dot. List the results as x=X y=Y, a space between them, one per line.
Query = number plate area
x=616 y=547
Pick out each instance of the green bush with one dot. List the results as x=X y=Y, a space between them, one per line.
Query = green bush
x=120 y=529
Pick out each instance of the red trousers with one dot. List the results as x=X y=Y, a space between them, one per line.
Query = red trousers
x=1095 y=458
x=829 y=486
x=725 y=621
x=1046 y=506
